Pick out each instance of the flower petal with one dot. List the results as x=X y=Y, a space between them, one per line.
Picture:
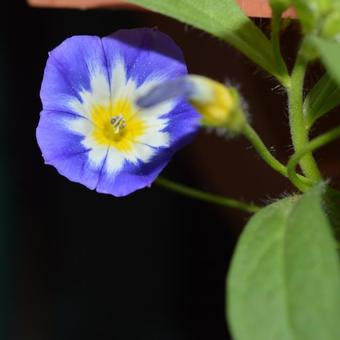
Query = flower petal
x=132 y=176
x=76 y=65
x=147 y=54
x=63 y=148
x=86 y=72
x=184 y=123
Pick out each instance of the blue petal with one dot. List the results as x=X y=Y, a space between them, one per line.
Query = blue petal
x=63 y=149
x=184 y=122
x=132 y=176
x=146 y=52
x=171 y=89
x=68 y=71
x=182 y=128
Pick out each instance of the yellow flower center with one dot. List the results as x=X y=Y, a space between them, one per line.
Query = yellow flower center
x=117 y=125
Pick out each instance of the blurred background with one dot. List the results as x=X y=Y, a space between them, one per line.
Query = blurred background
x=75 y=264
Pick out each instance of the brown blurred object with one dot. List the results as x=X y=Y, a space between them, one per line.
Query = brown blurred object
x=253 y=8
x=81 y=4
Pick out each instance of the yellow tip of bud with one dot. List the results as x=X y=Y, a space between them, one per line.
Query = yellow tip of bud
x=218 y=104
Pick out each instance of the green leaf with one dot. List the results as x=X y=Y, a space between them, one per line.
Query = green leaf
x=331 y=25
x=225 y=20
x=279 y=5
x=284 y=281
x=310 y=12
x=323 y=97
x=332 y=204
x=330 y=56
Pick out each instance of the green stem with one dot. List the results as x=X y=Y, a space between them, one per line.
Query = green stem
x=313 y=145
x=275 y=40
x=298 y=129
x=262 y=150
x=205 y=196
x=266 y=155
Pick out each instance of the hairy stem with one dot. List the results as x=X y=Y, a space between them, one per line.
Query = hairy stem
x=262 y=150
x=205 y=196
x=313 y=145
x=298 y=130
x=266 y=155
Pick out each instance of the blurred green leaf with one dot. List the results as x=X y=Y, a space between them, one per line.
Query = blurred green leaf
x=331 y=25
x=284 y=281
x=280 y=5
x=311 y=12
x=322 y=98
x=225 y=20
x=330 y=56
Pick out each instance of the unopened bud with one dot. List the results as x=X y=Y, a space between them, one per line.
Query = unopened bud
x=219 y=105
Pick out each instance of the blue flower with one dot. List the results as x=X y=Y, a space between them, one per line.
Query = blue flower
x=90 y=129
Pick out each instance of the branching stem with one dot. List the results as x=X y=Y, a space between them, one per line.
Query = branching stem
x=313 y=145
x=266 y=155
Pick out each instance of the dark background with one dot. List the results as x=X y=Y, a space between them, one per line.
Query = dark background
x=75 y=264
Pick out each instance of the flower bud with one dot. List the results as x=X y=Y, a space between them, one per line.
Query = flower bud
x=219 y=105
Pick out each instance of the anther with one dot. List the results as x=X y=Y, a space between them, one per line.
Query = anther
x=118 y=123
